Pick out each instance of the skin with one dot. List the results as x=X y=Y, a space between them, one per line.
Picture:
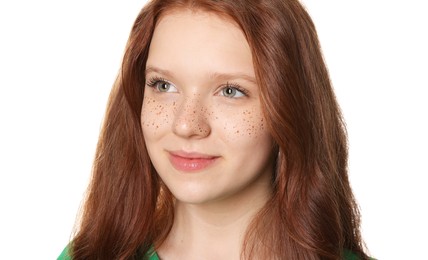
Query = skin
x=196 y=59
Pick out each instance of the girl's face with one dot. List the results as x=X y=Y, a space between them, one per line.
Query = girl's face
x=201 y=116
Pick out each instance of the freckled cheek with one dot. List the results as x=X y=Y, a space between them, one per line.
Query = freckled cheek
x=156 y=115
x=241 y=125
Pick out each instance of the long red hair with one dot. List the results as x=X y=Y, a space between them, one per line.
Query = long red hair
x=312 y=213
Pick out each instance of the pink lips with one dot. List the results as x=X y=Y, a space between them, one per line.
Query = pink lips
x=189 y=162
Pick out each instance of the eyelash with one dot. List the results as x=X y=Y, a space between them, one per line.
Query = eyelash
x=154 y=80
x=237 y=87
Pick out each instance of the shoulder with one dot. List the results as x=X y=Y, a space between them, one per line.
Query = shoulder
x=64 y=255
x=349 y=255
x=150 y=255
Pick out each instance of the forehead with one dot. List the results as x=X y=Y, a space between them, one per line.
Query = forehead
x=199 y=39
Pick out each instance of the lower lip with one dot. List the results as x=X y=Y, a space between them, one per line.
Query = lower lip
x=190 y=164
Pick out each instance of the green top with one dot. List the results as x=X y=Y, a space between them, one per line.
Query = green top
x=348 y=255
x=152 y=255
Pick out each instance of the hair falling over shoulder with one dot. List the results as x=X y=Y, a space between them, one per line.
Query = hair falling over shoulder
x=312 y=213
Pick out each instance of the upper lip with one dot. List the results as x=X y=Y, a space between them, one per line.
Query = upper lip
x=192 y=155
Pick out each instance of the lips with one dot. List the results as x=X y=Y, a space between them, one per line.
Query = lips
x=191 y=162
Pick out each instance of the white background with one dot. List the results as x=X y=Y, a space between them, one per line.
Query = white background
x=58 y=61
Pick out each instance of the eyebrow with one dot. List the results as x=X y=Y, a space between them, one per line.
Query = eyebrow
x=212 y=75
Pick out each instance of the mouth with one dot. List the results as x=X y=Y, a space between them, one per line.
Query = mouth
x=191 y=162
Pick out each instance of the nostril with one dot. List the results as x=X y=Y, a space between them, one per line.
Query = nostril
x=191 y=120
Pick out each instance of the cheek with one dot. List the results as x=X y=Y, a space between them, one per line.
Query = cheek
x=156 y=115
x=243 y=125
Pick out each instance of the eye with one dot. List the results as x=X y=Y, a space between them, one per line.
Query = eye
x=233 y=91
x=161 y=85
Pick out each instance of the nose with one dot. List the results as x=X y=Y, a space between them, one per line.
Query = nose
x=191 y=119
